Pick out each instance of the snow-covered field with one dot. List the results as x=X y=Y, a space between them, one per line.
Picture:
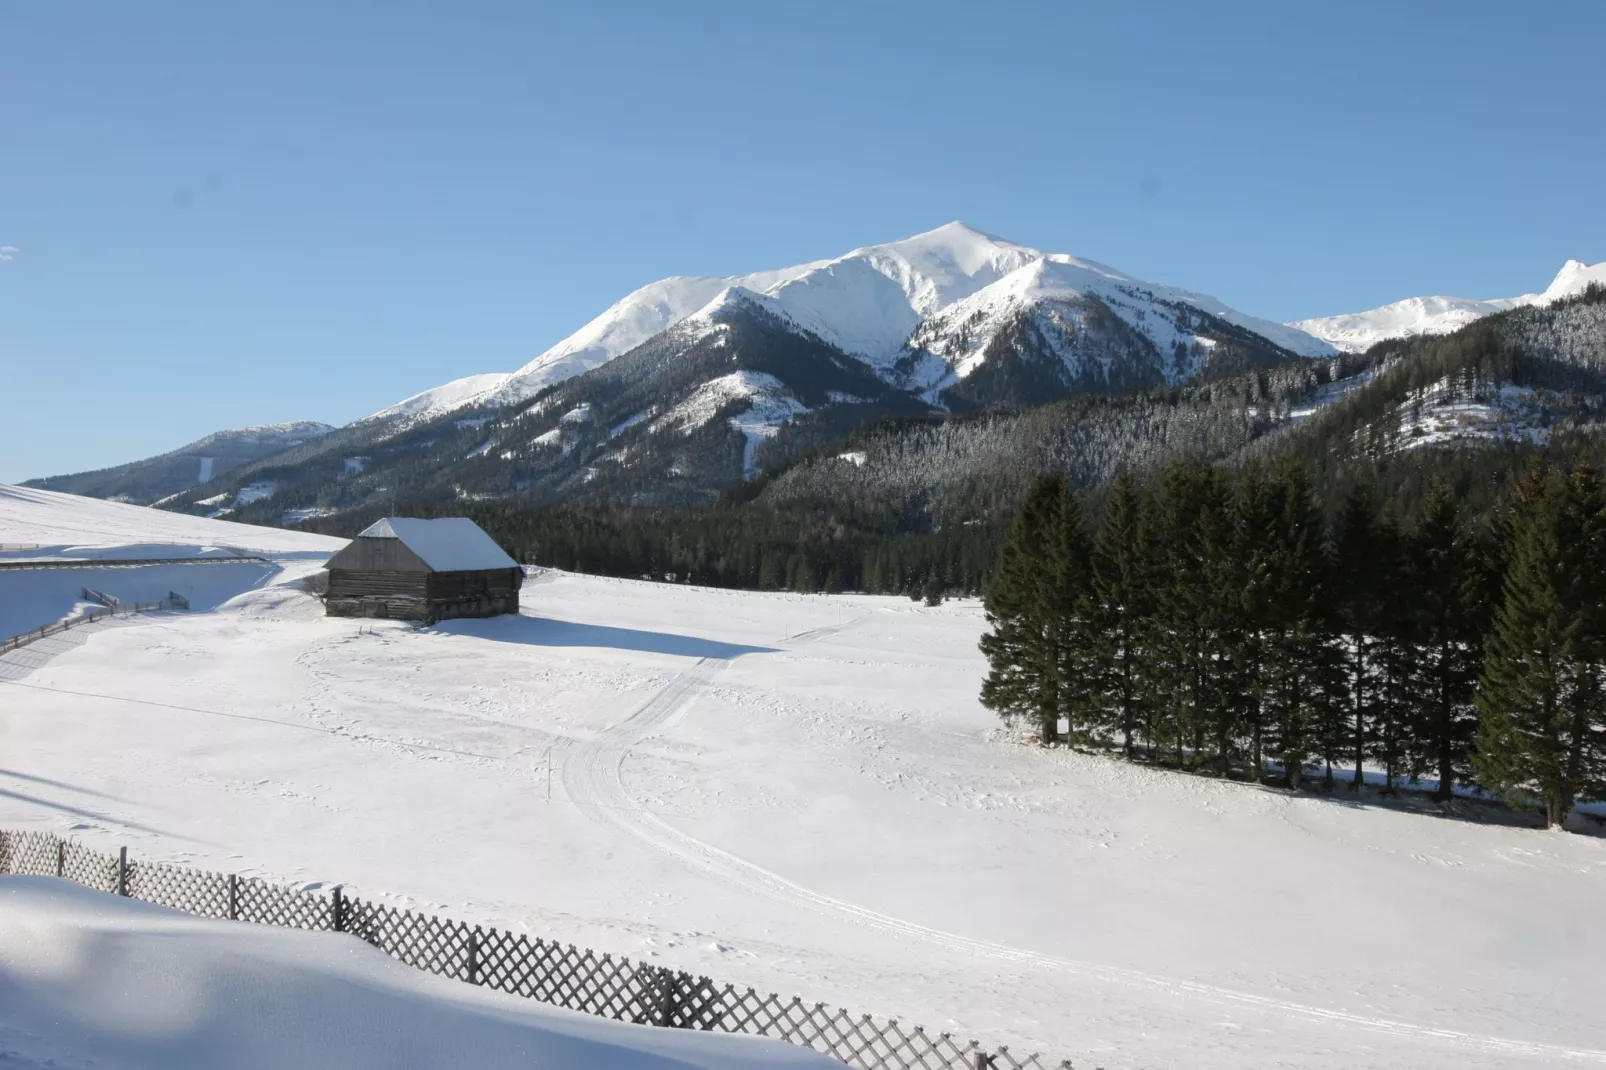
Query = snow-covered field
x=802 y=793
x=91 y=981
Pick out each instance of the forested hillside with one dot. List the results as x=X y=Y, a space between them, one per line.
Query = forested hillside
x=906 y=505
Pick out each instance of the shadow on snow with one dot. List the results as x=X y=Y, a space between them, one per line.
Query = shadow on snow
x=546 y=631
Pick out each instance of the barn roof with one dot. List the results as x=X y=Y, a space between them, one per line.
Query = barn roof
x=447 y=544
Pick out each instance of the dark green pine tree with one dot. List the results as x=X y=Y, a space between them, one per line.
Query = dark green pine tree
x=1450 y=623
x=1249 y=594
x=1077 y=627
x=1025 y=608
x=1360 y=567
x=1187 y=536
x=1396 y=651
x=1543 y=729
x=1121 y=592
x=1298 y=652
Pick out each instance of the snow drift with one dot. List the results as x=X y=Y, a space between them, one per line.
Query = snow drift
x=91 y=980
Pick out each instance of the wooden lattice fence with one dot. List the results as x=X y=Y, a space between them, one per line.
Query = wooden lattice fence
x=560 y=974
x=174 y=600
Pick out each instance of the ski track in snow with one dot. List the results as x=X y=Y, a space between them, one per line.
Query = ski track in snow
x=592 y=778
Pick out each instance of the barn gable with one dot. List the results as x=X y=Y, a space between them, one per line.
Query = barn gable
x=370 y=553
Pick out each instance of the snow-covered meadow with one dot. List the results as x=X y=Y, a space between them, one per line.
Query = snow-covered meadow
x=801 y=793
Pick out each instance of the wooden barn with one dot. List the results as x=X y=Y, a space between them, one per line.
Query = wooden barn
x=426 y=570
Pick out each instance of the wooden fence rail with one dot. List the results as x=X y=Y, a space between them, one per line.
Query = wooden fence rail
x=132 y=562
x=174 y=600
x=563 y=975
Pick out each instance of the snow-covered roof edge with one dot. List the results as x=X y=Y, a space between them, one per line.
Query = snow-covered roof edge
x=445 y=544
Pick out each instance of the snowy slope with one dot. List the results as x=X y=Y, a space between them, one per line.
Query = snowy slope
x=803 y=794
x=67 y=525
x=1356 y=332
x=90 y=980
x=626 y=324
x=768 y=406
x=440 y=400
x=961 y=334
x=39 y=525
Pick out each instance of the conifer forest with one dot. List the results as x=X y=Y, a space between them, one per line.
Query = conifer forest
x=1222 y=626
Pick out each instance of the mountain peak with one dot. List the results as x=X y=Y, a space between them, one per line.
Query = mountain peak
x=1574 y=277
x=958 y=227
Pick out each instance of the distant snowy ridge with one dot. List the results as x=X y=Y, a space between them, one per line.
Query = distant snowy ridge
x=1356 y=332
x=440 y=400
x=291 y=432
x=163 y=478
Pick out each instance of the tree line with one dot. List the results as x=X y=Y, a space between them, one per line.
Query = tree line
x=807 y=547
x=1221 y=624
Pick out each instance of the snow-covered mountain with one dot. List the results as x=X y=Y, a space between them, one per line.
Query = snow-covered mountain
x=869 y=303
x=1356 y=332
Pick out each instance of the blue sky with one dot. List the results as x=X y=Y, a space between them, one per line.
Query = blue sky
x=233 y=214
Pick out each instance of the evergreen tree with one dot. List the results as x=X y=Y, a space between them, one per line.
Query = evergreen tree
x=1397 y=653
x=1025 y=609
x=1251 y=594
x=1079 y=644
x=1187 y=537
x=1360 y=563
x=1298 y=650
x=1543 y=729
x=1121 y=596
x=1447 y=599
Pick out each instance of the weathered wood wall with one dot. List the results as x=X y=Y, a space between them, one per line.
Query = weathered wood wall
x=425 y=596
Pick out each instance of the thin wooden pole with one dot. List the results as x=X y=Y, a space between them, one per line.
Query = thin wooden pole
x=122 y=872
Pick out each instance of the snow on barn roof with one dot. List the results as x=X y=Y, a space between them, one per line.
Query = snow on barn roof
x=447 y=544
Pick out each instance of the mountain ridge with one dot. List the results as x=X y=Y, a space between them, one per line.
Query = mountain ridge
x=866 y=302
x=166 y=475
x=1355 y=332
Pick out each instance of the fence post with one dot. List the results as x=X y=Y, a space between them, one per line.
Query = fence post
x=234 y=897
x=670 y=983
x=337 y=903
x=61 y=858
x=122 y=872
x=983 y=1060
x=474 y=955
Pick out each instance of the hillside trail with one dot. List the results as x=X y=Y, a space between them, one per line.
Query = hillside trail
x=592 y=776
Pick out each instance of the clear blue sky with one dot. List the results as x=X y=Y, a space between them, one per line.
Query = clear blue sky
x=226 y=214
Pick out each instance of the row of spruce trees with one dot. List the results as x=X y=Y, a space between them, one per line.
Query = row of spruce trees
x=1221 y=625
